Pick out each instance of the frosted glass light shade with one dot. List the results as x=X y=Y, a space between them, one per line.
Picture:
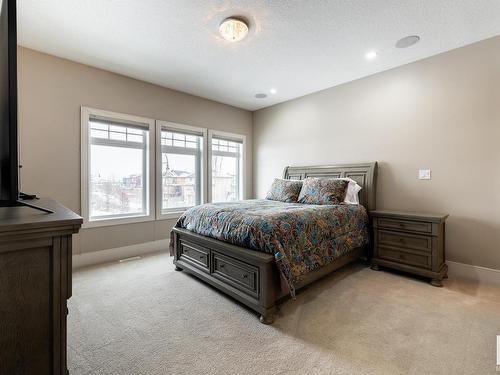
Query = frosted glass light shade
x=233 y=29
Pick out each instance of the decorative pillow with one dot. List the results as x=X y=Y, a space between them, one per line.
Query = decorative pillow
x=323 y=191
x=284 y=190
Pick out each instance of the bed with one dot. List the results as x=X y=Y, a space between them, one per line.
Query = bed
x=219 y=244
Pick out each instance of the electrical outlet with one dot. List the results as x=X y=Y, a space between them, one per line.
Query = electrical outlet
x=424 y=174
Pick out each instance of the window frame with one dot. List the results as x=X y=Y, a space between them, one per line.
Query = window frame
x=222 y=134
x=176 y=212
x=86 y=114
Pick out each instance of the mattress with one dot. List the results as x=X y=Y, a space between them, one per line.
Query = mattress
x=302 y=237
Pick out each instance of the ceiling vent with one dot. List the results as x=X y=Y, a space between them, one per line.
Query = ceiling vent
x=407 y=41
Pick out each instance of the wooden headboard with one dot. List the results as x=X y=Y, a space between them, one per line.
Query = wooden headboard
x=364 y=174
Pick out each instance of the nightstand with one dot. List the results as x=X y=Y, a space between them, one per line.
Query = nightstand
x=410 y=242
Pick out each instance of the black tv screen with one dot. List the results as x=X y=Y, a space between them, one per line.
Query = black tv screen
x=9 y=185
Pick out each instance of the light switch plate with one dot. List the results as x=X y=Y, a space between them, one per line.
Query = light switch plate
x=424 y=174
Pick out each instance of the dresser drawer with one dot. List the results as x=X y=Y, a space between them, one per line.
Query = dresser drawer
x=240 y=275
x=407 y=225
x=413 y=258
x=404 y=240
x=194 y=254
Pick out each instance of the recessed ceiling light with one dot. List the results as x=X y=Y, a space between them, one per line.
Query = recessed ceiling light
x=260 y=95
x=273 y=91
x=371 y=55
x=233 y=29
x=407 y=41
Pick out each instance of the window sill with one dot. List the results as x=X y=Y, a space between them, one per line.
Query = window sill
x=170 y=215
x=117 y=221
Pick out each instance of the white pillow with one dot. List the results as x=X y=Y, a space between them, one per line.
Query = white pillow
x=351 y=196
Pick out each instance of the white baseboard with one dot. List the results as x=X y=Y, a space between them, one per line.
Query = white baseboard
x=111 y=255
x=482 y=275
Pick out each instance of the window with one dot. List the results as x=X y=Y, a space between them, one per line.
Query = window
x=116 y=160
x=227 y=166
x=137 y=169
x=180 y=168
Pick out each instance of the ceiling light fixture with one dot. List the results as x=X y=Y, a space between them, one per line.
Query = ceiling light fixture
x=233 y=29
x=273 y=91
x=371 y=55
x=260 y=95
x=407 y=41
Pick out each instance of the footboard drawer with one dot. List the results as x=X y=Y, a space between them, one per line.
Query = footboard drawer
x=194 y=254
x=242 y=276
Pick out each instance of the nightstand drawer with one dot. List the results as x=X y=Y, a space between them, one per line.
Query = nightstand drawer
x=404 y=240
x=414 y=226
x=413 y=258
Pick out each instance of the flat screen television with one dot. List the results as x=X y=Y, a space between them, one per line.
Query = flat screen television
x=9 y=168
x=9 y=157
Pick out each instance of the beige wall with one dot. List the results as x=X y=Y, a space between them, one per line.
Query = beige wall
x=51 y=91
x=442 y=113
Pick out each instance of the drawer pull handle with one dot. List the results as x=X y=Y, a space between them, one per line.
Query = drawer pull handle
x=221 y=266
x=244 y=276
x=202 y=256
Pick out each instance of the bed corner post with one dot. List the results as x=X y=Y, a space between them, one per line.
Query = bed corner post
x=269 y=289
x=174 y=249
x=371 y=206
x=267 y=318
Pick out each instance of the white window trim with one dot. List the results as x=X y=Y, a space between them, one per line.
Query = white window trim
x=86 y=113
x=243 y=138
x=204 y=175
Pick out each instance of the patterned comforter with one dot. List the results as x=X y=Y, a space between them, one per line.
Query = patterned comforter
x=302 y=237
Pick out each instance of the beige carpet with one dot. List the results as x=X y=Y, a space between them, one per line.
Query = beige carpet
x=142 y=317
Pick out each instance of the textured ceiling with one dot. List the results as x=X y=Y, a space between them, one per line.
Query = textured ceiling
x=297 y=47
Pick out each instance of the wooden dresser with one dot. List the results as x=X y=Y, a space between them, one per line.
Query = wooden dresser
x=35 y=282
x=410 y=242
